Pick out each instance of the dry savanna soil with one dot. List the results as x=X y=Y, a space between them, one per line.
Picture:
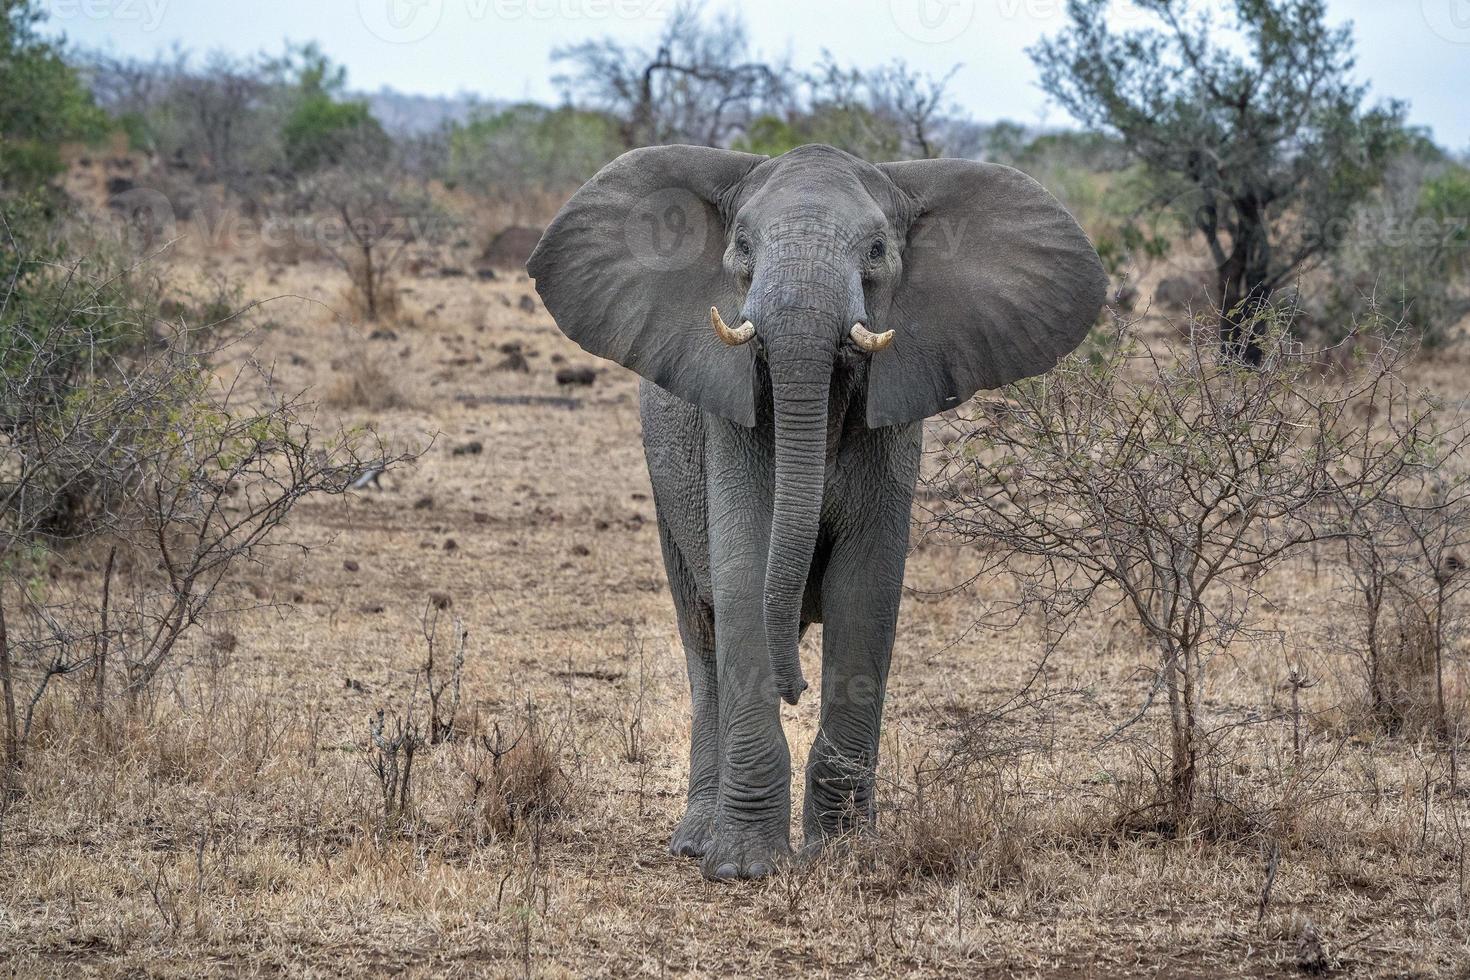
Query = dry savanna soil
x=236 y=822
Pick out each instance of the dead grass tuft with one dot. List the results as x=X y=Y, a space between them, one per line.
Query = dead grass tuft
x=516 y=781
x=360 y=382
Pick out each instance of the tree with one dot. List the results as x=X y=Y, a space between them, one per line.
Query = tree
x=887 y=113
x=218 y=106
x=380 y=212
x=1263 y=153
x=321 y=127
x=699 y=83
x=44 y=101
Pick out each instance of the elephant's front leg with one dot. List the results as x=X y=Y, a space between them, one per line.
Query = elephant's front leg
x=860 y=597
x=752 y=828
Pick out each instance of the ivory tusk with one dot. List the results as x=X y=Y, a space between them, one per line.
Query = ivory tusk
x=869 y=341
x=732 y=337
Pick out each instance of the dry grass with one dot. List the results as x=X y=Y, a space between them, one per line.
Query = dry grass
x=236 y=825
x=360 y=381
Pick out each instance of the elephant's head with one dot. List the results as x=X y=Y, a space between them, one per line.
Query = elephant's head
x=948 y=275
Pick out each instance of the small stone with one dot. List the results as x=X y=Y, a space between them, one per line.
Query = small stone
x=472 y=448
x=424 y=503
x=350 y=565
x=528 y=305
x=576 y=376
x=514 y=361
x=450 y=544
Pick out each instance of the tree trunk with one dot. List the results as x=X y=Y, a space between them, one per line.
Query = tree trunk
x=370 y=288
x=1243 y=284
x=1184 y=741
x=7 y=685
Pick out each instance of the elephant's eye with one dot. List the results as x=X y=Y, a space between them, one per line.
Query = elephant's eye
x=742 y=245
x=878 y=249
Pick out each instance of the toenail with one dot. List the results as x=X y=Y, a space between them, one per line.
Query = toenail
x=727 y=870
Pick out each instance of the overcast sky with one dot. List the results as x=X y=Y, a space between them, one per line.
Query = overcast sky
x=1417 y=50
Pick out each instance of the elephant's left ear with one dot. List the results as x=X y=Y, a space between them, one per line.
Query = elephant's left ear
x=999 y=283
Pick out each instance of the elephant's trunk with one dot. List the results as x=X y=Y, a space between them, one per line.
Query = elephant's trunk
x=801 y=373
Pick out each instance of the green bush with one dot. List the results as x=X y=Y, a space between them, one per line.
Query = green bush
x=321 y=133
x=528 y=147
x=770 y=135
x=1445 y=201
x=42 y=101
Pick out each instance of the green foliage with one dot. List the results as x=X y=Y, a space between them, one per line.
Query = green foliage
x=43 y=103
x=69 y=312
x=307 y=70
x=1406 y=250
x=320 y=129
x=1252 y=127
x=1445 y=202
x=529 y=146
x=770 y=135
x=321 y=133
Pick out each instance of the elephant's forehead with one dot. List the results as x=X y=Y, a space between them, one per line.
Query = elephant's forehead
x=809 y=195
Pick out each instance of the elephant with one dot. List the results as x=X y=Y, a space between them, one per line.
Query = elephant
x=784 y=452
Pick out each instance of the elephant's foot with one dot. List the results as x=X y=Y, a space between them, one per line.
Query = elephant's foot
x=744 y=854
x=692 y=836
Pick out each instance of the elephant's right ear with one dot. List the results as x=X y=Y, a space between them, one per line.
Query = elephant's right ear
x=631 y=265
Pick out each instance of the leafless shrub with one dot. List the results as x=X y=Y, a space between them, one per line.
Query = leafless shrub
x=376 y=213
x=630 y=724
x=441 y=680
x=1170 y=480
x=1406 y=562
x=390 y=757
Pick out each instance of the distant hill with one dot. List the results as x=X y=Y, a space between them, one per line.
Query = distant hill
x=410 y=115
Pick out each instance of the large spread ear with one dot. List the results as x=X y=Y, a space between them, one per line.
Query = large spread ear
x=631 y=265
x=998 y=284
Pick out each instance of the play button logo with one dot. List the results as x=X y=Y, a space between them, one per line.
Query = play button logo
x=400 y=21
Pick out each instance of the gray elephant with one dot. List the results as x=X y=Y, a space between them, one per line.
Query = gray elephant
x=784 y=451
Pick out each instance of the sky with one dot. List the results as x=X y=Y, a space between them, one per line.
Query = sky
x=1417 y=50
